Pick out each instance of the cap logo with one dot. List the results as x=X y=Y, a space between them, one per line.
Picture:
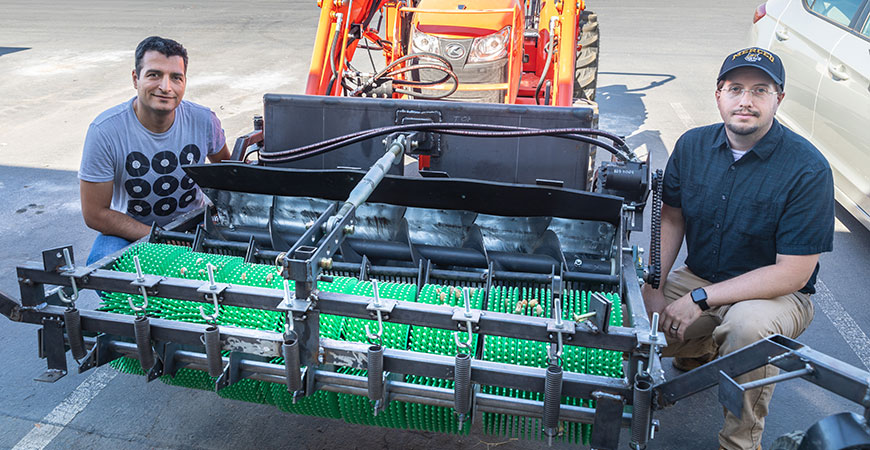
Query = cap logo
x=753 y=55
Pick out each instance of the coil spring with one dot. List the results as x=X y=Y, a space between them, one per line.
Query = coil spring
x=655 y=245
x=73 y=321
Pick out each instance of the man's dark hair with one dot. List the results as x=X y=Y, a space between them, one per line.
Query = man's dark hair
x=166 y=47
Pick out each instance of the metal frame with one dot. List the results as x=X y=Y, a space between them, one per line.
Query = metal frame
x=109 y=336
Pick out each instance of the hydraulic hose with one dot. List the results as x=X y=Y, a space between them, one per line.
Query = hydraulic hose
x=619 y=149
x=553 y=21
x=338 y=19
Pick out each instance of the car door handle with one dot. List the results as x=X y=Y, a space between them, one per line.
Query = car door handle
x=839 y=72
x=781 y=34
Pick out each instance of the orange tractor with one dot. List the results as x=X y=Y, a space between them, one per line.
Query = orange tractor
x=495 y=51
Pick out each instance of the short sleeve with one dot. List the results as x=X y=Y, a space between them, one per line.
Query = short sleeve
x=807 y=223
x=672 y=185
x=98 y=157
x=217 y=139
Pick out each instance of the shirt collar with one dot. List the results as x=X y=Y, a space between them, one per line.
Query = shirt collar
x=764 y=148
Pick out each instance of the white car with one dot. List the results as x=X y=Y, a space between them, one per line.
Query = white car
x=825 y=47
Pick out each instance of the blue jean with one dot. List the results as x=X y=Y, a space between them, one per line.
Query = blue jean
x=105 y=245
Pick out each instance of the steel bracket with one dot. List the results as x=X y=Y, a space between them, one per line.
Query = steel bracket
x=170 y=365
x=52 y=347
x=607 y=423
x=208 y=289
x=295 y=306
x=231 y=374
x=148 y=281
x=459 y=315
x=567 y=327
x=602 y=308
x=387 y=306
x=101 y=353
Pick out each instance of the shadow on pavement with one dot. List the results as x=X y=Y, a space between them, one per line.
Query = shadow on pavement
x=8 y=50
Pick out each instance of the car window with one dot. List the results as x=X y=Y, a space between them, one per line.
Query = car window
x=839 y=11
x=866 y=30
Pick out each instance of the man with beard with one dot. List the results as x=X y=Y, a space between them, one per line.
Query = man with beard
x=131 y=171
x=755 y=204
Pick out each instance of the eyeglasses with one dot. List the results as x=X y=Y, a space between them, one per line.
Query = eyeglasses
x=757 y=92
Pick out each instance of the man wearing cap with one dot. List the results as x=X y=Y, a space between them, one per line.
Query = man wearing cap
x=755 y=204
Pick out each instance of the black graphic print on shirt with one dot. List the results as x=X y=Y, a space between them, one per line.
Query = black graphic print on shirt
x=137 y=188
x=187 y=183
x=189 y=155
x=165 y=185
x=138 y=208
x=164 y=163
x=165 y=206
x=137 y=164
x=187 y=198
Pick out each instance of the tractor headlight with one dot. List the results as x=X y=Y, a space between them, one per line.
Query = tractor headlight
x=423 y=43
x=490 y=47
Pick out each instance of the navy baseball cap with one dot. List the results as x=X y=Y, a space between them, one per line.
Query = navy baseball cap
x=758 y=58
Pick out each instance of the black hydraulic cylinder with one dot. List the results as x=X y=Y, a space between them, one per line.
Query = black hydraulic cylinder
x=142 y=331
x=292 y=369
x=552 y=400
x=462 y=384
x=73 y=321
x=376 y=372
x=213 y=351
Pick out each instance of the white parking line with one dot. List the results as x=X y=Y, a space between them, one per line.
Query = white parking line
x=843 y=322
x=53 y=423
x=684 y=116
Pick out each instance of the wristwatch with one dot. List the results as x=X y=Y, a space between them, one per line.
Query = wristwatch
x=699 y=296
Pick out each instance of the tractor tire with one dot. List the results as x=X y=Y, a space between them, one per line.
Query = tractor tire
x=788 y=441
x=586 y=63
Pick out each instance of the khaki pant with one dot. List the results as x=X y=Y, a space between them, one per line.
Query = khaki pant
x=727 y=328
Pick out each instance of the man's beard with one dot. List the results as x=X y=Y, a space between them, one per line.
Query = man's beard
x=743 y=130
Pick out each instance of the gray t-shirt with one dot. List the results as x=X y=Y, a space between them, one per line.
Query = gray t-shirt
x=149 y=183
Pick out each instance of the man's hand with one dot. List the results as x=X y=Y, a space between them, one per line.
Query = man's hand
x=654 y=299
x=677 y=317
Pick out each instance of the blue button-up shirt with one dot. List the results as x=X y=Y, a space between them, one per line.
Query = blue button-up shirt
x=777 y=199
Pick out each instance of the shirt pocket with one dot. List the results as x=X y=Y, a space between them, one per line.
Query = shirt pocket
x=693 y=199
x=758 y=218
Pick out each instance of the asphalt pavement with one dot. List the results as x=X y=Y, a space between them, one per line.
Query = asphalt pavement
x=62 y=63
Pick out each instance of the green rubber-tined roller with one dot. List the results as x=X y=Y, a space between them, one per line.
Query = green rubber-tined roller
x=181 y=262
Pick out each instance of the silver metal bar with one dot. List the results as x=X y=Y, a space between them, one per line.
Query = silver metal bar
x=777 y=378
x=421 y=314
x=399 y=391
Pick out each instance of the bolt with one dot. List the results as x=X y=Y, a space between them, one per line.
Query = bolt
x=309 y=224
x=654 y=327
x=326 y=263
x=578 y=262
x=349 y=229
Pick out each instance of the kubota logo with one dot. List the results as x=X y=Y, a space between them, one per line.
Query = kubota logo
x=454 y=51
